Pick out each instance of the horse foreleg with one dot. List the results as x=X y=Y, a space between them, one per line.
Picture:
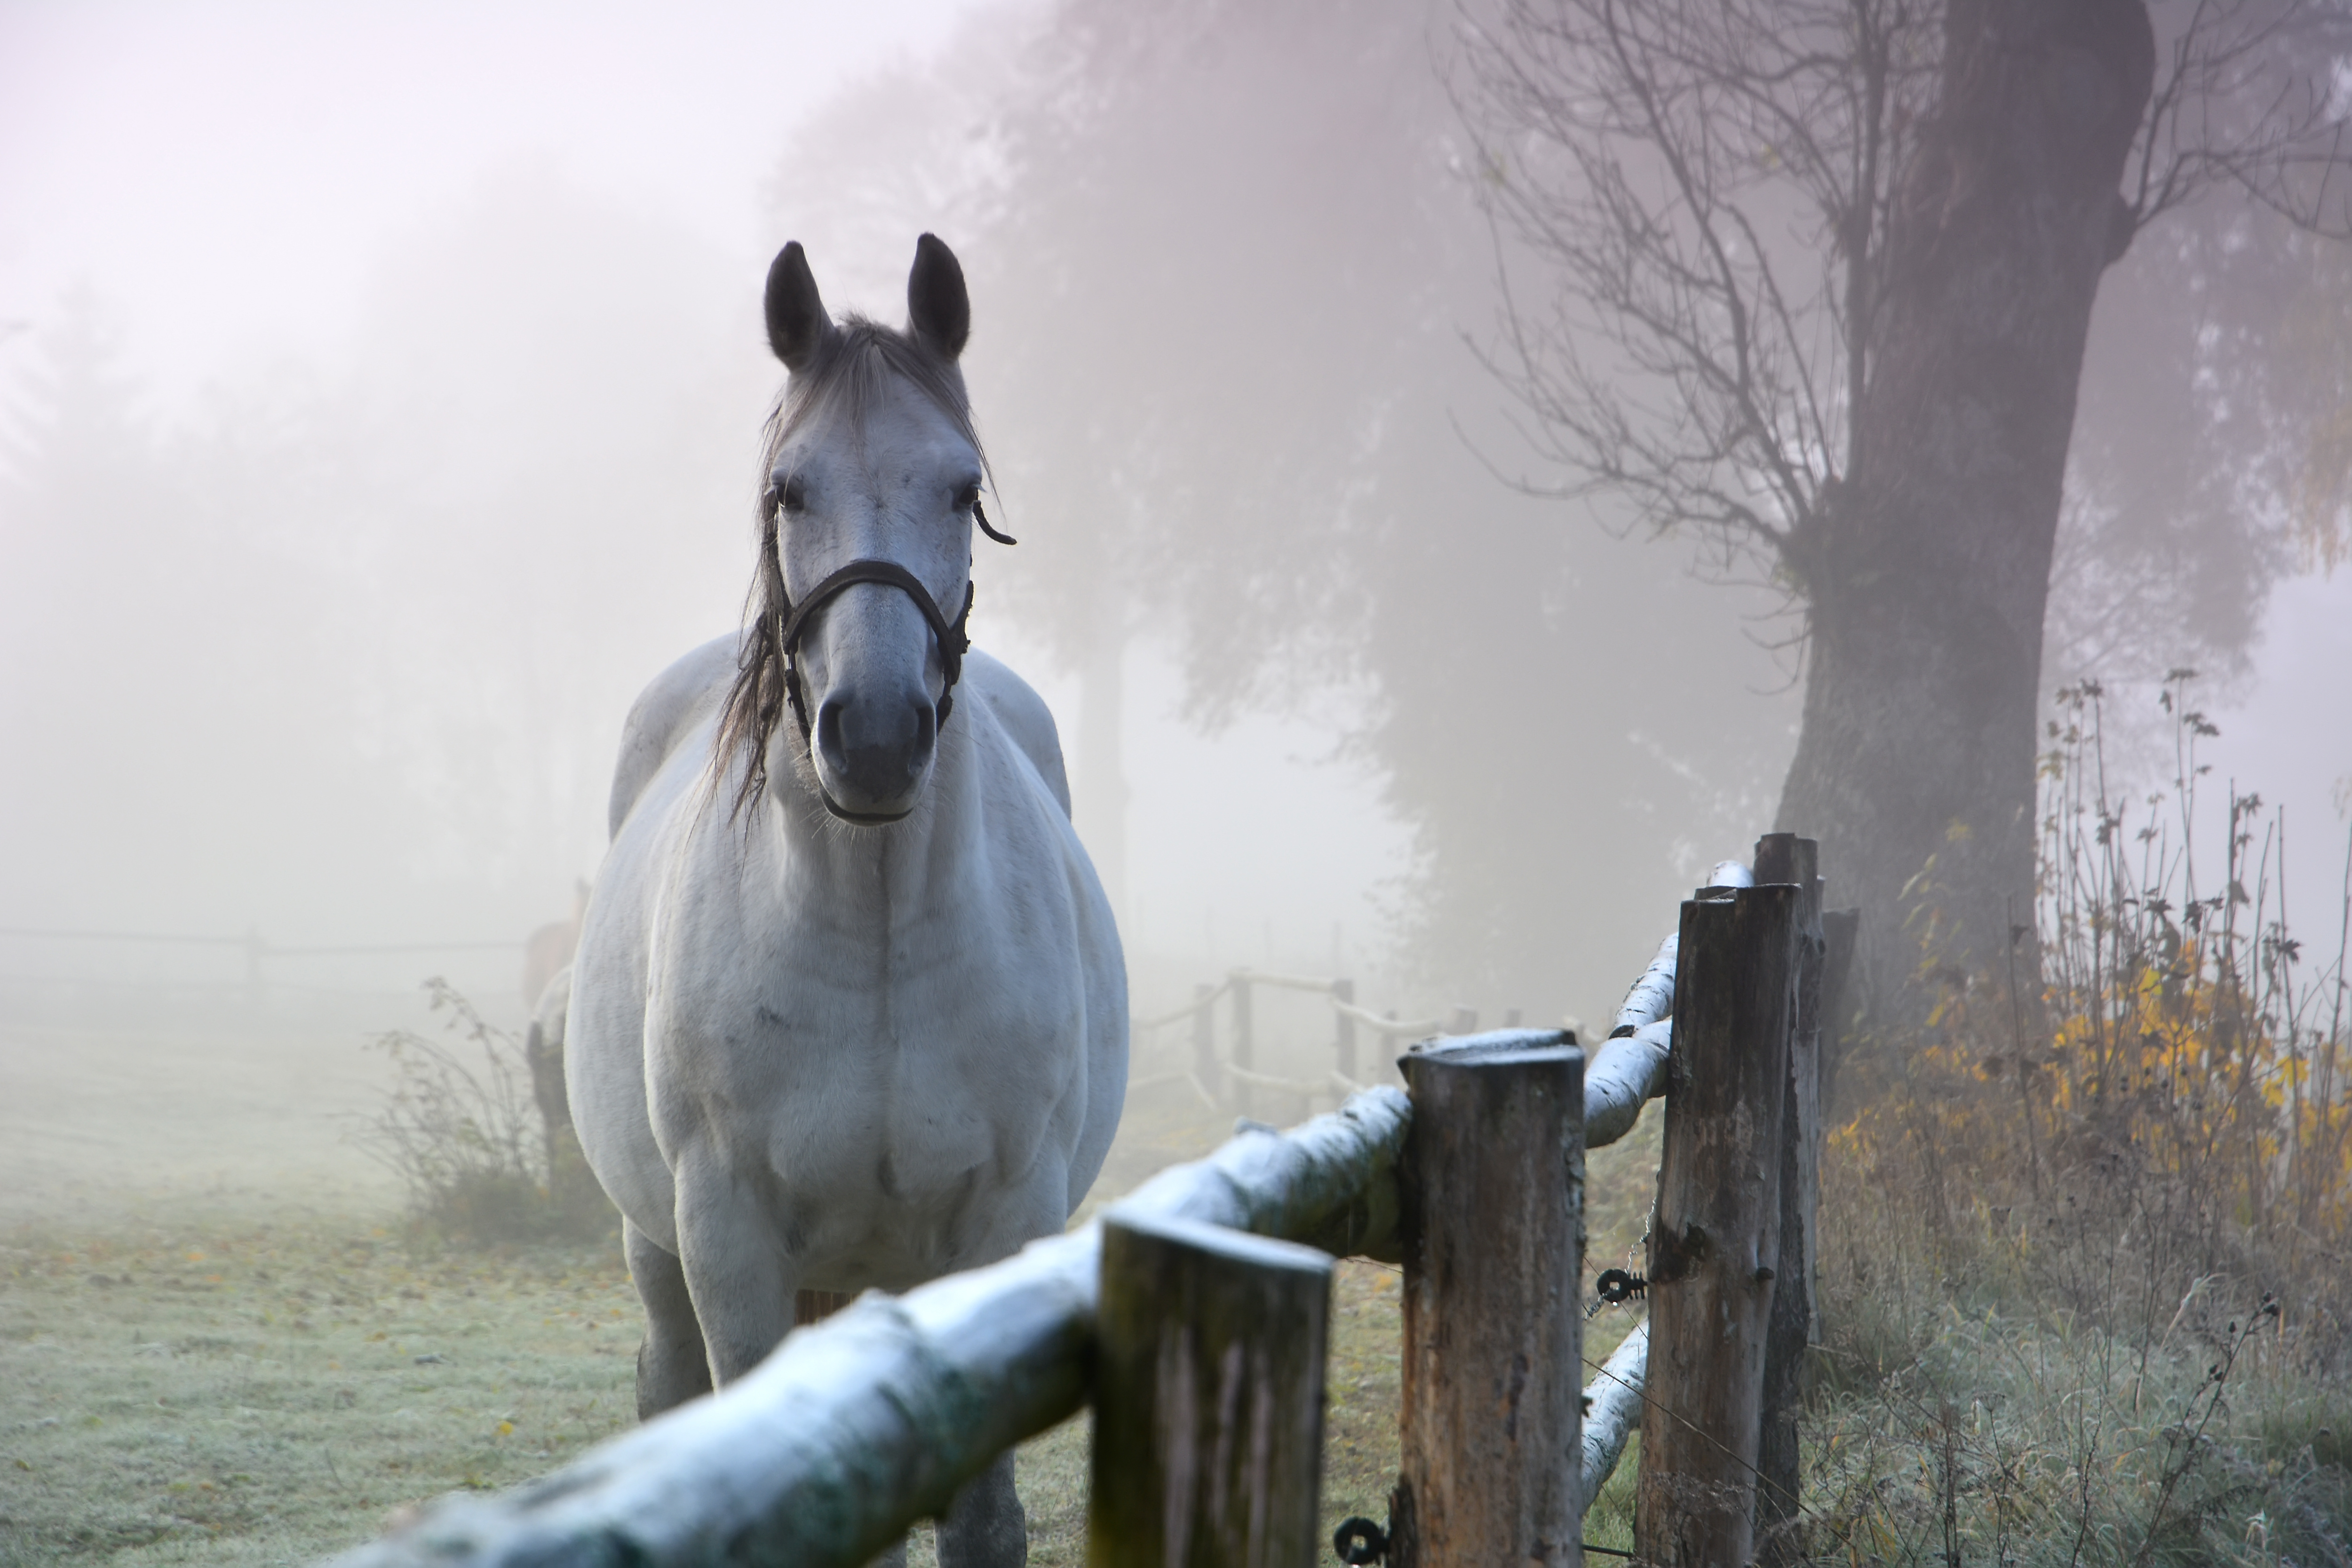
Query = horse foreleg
x=985 y=1528
x=670 y=1365
x=742 y=1282
x=816 y=1306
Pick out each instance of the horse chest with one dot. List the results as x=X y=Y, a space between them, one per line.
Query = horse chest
x=900 y=1080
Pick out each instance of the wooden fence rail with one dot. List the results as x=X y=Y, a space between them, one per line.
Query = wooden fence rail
x=1613 y=1408
x=1203 y=1350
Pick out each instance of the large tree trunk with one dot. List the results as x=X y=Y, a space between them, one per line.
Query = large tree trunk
x=1930 y=569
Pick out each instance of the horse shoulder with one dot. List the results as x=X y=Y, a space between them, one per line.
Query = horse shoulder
x=1024 y=716
x=663 y=712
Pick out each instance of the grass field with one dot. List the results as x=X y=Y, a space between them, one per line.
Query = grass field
x=222 y=1390
x=247 y=1359
x=254 y=1362
x=233 y=1388
x=226 y=1391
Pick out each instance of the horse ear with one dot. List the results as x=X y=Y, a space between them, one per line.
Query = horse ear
x=796 y=320
x=937 y=306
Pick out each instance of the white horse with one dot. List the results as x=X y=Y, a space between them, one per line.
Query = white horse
x=849 y=1010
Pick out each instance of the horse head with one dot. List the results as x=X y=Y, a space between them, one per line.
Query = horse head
x=873 y=474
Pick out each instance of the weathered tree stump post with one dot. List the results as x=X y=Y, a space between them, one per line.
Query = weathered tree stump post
x=1245 y=1044
x=1208 y=1398
x=1491 y=1191
x=1204 y=1042
x=1785 y=859
x=1343 y=1040
x=1715 y=1240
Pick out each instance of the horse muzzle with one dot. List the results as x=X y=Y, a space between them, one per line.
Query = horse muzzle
x=872 y=750
x=873 y=753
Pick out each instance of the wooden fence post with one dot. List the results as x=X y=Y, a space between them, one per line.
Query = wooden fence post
x=1343 y=1040
x=1244 y=1045
x=1783 y=857
x=1491 y=1208
x=1208 y=1398
x=1205 y=1041
x=1715 y=1243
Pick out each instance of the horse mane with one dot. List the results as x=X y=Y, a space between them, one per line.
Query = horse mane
x=853 y=364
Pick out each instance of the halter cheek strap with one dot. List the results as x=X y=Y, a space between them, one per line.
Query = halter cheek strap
x=954 y=642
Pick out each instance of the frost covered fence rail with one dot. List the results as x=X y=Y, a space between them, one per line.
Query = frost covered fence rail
x=1192 y=1318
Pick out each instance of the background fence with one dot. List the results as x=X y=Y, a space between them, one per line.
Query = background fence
x=1192 y=1316
x=165 y=979
x=1231 y=1078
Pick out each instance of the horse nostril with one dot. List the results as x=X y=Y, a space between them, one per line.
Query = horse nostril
x=828 y=731
x=876 y=748
x=877 y=727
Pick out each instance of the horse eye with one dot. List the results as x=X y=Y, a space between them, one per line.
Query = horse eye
x=967 y=498
x=791 y=495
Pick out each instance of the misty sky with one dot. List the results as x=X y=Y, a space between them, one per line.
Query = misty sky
x=249 y=187
x=259 y=193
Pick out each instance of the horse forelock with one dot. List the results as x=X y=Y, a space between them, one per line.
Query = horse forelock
x=853 y=364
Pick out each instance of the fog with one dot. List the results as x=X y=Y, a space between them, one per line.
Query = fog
x=382 y=392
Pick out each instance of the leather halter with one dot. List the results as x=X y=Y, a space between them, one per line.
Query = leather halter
x=953 y=640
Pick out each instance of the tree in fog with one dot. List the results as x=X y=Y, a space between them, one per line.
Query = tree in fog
x=1818 y=283
x=1221 y=257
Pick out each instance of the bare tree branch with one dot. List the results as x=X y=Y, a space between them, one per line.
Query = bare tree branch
x=2251 y=97
x=1708 y=187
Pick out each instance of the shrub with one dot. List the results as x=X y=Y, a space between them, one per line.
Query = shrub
x=462 y=1129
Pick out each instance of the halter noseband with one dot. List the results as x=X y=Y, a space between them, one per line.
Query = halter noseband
x=954 y=642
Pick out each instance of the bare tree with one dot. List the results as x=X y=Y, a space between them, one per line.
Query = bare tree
x=1817 y=282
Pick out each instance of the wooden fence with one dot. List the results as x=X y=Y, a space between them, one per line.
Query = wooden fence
x=1230 y=1079
x=1192 y=1318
